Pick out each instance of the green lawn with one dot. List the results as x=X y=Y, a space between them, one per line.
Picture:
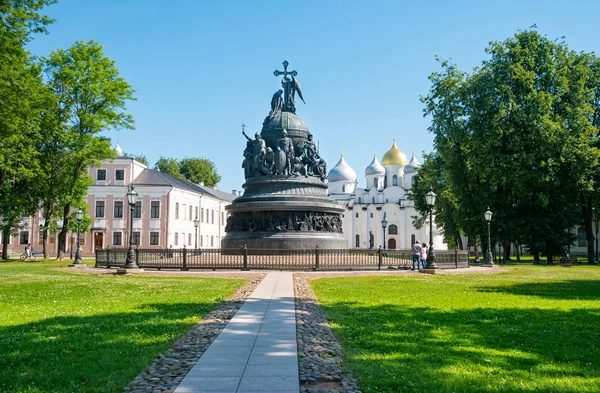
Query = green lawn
x=533 y=329
x=63 y=332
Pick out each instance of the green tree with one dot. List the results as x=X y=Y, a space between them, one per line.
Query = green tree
x=91 y=98
x=140 y=158
x=169 y=166
x=22 y=101
x=199 y=170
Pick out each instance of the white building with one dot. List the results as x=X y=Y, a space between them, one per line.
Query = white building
x=385 y=194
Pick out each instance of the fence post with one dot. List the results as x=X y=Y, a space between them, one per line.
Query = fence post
x=245 y=266
x=108 y=257
x=380 y=257
x=317 y=258
x=184 y=259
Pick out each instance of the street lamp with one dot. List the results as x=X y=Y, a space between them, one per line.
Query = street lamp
x=196 y=223
x=489 y=257
x=430 y=199
x=384 y=225
x=132 y=197
x=79 y=216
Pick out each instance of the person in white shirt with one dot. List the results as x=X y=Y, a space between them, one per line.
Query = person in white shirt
x=424 y=255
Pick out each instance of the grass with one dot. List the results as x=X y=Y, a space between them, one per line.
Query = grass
x=63 y=332
x=532 y=329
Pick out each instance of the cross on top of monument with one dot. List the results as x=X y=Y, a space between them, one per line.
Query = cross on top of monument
x=243 y=127
x=285 y=72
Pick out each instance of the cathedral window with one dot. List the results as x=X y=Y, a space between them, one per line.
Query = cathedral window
x=359 y=200
x=385 y=182
x=356 y=215
x=394 y=180
x=393 y=229
x=343 y=188
x=375 y=182
x=373 y=199
x=357 y=244
x=371 y=215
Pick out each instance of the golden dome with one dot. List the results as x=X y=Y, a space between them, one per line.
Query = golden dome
x=394 y=157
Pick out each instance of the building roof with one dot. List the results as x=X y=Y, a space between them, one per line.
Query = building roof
x=342 y=172
x=413 y=165
x=153 y=177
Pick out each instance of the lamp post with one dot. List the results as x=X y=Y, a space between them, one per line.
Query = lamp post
x=383 y=226
x=72 y=240
x=132 y=197
x=79 y=216
x=430 y=199
x=196 y=223
x=489 y=258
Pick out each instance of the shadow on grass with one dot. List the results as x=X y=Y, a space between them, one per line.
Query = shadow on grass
x=557 y=290
x=100 y=353
x=402 y=349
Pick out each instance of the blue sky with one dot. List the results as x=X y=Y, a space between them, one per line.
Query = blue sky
x=202 y=68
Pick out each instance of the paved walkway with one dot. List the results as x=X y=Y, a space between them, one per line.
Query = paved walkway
x=256 y=352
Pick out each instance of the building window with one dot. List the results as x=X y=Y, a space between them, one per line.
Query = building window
x=385 y=182
x=24 y=237
x=177 y=210
x=343 y=188
x=191 y=217
x=394 y=180
x=117 y=238
x=155 y=209
x=118 y=211
x=176 y=241
x=99 y=209
x=119 y=174
x=222 y=218
x=581 y=240
x=371 y=215
x=357 y=244
x=40 y=237
x=212 y=215
x=137 y=210
x=189 y=239
x=393 y=229
x=373 y=199
x=359 y=200
x=154 y=238
x=375 y=181
x=201 y=240
x=135 y=239
x=212 y=241
x=357 y=215
x=196 y=210
x=202 y=215
x=101 y=174
x=184 y=212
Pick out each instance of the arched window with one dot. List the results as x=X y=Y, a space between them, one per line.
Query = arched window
x=371 y=215
x=375 y=182
x=393 y=229
x=385 y=182
x=359 y=200
x=391 y=244
x=373 y=199
x=412 y=239
x=343 y=188
x=371 y=240
x=357 y=241
x=581 y=240
x=394 y=180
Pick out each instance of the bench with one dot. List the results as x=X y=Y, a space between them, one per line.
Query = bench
x=569 y=261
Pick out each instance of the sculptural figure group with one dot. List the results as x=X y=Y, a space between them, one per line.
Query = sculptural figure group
x=260 y=160
x=284 y=221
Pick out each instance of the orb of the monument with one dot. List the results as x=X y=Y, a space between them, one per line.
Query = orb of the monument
x=296 y=129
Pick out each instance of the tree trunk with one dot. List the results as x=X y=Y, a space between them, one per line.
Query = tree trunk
x=536 y=258
x=62 y=235
x=518 y=252
x=506 y=246
x=459 y=242
x=5 y=239
x=586 y=212
x=47 y=215
x=549 y=259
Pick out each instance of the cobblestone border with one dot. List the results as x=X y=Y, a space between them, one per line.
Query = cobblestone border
x=166 y=371
x=320 y=368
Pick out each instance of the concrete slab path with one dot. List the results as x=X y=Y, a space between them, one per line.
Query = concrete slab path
x=257 y=351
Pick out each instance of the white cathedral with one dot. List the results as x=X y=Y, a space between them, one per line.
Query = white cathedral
x=385 y=197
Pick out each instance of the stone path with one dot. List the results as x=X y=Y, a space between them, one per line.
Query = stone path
x=257 y=350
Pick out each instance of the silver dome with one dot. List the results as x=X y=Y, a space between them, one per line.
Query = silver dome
x=342 y=172
x=412 y=165
x=375 y=168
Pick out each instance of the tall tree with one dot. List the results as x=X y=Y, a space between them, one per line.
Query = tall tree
x=199 y=170
x=91 y=98
x=22 y=101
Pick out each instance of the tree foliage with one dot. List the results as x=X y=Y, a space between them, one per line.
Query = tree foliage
x=193 y=169
x=516 y=135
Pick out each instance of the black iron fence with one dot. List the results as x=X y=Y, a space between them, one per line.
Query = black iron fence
x=280 y=259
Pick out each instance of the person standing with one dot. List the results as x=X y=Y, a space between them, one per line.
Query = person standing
x=416 y=255
x=424 y=255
